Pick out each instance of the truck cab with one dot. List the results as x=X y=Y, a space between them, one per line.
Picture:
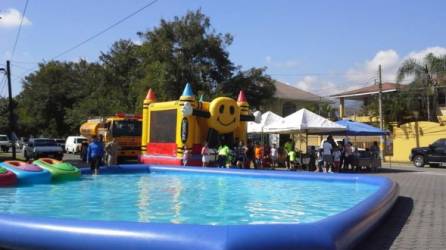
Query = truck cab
x=433 y=155
x=125 y=129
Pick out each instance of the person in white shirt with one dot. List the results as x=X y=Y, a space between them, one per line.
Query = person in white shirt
x=327 y=155
x=274 y=155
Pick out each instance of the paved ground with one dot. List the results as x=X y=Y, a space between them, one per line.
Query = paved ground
x=418 y=219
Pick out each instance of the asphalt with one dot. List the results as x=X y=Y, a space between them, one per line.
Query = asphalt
x=418 y=219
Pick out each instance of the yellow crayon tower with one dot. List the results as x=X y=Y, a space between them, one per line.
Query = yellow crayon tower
x=150 y=98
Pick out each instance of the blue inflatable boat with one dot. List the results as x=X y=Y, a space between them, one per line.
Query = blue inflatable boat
x=27 y=173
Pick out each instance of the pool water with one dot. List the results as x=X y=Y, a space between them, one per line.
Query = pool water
x=186 y=198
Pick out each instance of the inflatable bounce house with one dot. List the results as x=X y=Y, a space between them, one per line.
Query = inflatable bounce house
x=170 y=126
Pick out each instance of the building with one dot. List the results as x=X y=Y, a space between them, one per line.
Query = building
x=289 y=99
x=364 y=94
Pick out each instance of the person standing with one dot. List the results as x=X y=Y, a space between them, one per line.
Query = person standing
x=292 y=156
x=259 y=156
x=274 y=156
x=240 y=152
x=327 y=149
x=336 y=159
x=186 y=155
x=348 y=152
x=111 y=151
x=250 y=156
x=205 y=158
x=288 y=146
x=95 y=152
x=223 y=152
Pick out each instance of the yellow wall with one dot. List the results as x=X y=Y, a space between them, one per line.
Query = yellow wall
x=405 y=138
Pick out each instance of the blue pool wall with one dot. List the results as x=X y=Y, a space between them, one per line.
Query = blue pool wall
x=341 y=231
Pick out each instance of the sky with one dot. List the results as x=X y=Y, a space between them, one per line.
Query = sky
x=324 y=47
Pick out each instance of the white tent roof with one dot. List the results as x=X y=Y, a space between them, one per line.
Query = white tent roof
x=267 y=119
x=304 y=121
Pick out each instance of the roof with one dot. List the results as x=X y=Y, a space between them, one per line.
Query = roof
x=369 y=90
x=286 y=91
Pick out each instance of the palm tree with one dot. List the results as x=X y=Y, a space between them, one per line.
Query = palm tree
x=429 y=73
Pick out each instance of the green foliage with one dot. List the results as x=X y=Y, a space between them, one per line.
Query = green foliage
x=428 y=74
x=4 y=115
x=257 y=86
x=59 y=96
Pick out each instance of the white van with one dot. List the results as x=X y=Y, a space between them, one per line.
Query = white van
x=73 y=144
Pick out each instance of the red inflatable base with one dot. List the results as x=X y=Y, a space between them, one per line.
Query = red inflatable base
x=166 y=160
x=160 y=160
x=8 y=179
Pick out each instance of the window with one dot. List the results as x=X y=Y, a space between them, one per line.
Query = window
x=288 y=108
x=163 y=126
x=127 y=128
x=44 y=143
x=439 y=143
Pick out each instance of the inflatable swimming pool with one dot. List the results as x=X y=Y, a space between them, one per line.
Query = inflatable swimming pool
x=7 y=178
x=250 y=189
x=27 y=173
x=58 y=169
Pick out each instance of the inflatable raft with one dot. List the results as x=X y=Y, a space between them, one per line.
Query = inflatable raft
x=27 y=173
x=58 y=169
x=7 y=178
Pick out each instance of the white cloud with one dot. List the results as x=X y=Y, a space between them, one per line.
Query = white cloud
x=321 y=87
x=286 y=64
x=367 y=71
x=137 y=41
x=11 y=18
x=419 y=55
x=390 y=62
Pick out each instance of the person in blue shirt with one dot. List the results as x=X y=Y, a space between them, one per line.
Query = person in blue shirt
x=95 y=152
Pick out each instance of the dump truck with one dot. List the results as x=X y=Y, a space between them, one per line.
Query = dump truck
x=126 y=129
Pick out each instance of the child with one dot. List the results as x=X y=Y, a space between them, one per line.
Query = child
x=259 y=156
x=205 y=158
x=320 y=162
x=292 y=156
x=274 y=156
x=336 y=159
x=186 y=155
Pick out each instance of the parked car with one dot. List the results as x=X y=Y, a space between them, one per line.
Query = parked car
x=434 y=155
x=42 y=147
x=73 y=144
x=60 y=143
x=5 y=144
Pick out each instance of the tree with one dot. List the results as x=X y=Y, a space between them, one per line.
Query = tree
x=59 y=96
x=122 y=71
x=185 y=50
x=258 y=87
x=427 y=75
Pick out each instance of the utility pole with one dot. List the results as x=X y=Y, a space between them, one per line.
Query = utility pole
x=380 y=100
x=380 y=107
x=11 y=111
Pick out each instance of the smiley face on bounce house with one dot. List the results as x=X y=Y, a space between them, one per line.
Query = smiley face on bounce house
x=170 y=127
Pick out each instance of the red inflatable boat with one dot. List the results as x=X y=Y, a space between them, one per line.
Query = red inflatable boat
x=7 y=178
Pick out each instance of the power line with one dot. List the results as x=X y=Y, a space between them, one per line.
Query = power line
x=19 y=30
x=91 y=37
x=104 y=30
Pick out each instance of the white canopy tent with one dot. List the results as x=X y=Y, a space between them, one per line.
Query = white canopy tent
x=303 y=121
x=267 y=119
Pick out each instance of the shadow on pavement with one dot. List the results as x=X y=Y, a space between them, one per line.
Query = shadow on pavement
x=383 y=236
